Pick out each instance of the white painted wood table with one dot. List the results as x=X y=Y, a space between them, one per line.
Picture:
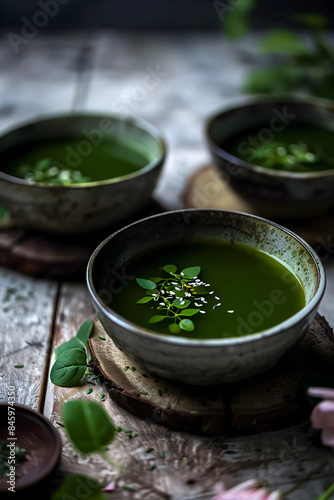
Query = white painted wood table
x=194 y=74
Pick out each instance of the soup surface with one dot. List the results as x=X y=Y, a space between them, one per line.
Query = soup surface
x=74 y=160
x=226 y=290
x=296 y=148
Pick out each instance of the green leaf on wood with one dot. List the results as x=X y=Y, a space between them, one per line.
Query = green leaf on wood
x=170 y=268
x=88 y=425
x=69 y=368
x=144 y=300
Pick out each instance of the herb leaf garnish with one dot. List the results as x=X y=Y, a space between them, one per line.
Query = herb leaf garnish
x=95 y=431
x=176 y=296
x=69 y=368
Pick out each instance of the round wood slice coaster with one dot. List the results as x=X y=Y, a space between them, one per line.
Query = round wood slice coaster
x=262 y=403
x=54 y=256
x=205 y=189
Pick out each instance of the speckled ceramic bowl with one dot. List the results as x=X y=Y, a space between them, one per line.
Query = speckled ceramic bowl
x=207 y=361
x=272 y=193
x=81 y=207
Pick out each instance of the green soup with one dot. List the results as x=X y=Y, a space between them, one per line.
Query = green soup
x=296 y=148
x=226 y=290
x=72 y=160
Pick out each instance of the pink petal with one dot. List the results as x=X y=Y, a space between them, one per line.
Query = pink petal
x=321 y=392
x=246 y=485
x=110 y=487
x=323 y=415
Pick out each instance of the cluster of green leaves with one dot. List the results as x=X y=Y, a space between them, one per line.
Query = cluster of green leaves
x=51 y=172
x=294 y=64
x=297 y=157
x=20 y=457
x=174 y=296
x=72 y=358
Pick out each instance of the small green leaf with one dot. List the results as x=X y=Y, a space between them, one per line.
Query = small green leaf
x=147 y=284
x=283 y=41
x=89 y=390
x=79 y=341
x=187 y=324
x=191 y=272
x=177 y=303
x=85 y=331
x=174 y=328
x=18 y=366
x=96 y=430
x=189 y=312
x=76 y=483
x=101 y=337
x=144 y=300
x=69 y=368
x=156 y=319
x=151 y=292
x=170 y=268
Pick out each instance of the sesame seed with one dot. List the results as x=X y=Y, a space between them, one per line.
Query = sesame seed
x=198 y=305
x=162 y=291
x=210 y=293
x=230 y=311
x=207 y=284
x=161 y=303
x=172 y=293
x=217 y=297
x=178 y=289
x=203 y=312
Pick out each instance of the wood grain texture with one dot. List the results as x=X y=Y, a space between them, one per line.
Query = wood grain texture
x=262 y=403
x=26 y=314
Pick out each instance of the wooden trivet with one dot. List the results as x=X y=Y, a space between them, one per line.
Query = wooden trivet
x=205 y=189
x=262 y=403
x=54 y=256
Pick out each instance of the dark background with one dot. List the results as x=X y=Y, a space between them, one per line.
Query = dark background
x=157 y=14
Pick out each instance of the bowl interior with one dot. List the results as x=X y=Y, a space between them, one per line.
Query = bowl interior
x=155 y=232
x=268 y=113
x=88 y=131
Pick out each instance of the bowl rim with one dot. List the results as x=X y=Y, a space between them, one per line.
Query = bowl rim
x=131 y=120
x=248 y=101
x=191 y=342
x=40 y=419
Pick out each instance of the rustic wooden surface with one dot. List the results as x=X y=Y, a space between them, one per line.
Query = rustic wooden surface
x=266 y=402
x=101 y=72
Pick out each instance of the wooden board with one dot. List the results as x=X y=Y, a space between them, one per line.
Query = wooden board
x=261 y=403
x=205 y=189
x=56 y=256
x=26 y=319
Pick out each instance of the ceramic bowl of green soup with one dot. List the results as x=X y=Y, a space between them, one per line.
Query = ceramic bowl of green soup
x=73 y=173
x=205 y=296
x=277 y=153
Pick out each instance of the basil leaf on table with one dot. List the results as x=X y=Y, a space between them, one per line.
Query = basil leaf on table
x=88 y=425
x=79 y=341
x=69 y=368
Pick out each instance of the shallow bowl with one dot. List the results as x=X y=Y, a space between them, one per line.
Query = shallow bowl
x=207 y=361
x=79 y=208
x=272 y=193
